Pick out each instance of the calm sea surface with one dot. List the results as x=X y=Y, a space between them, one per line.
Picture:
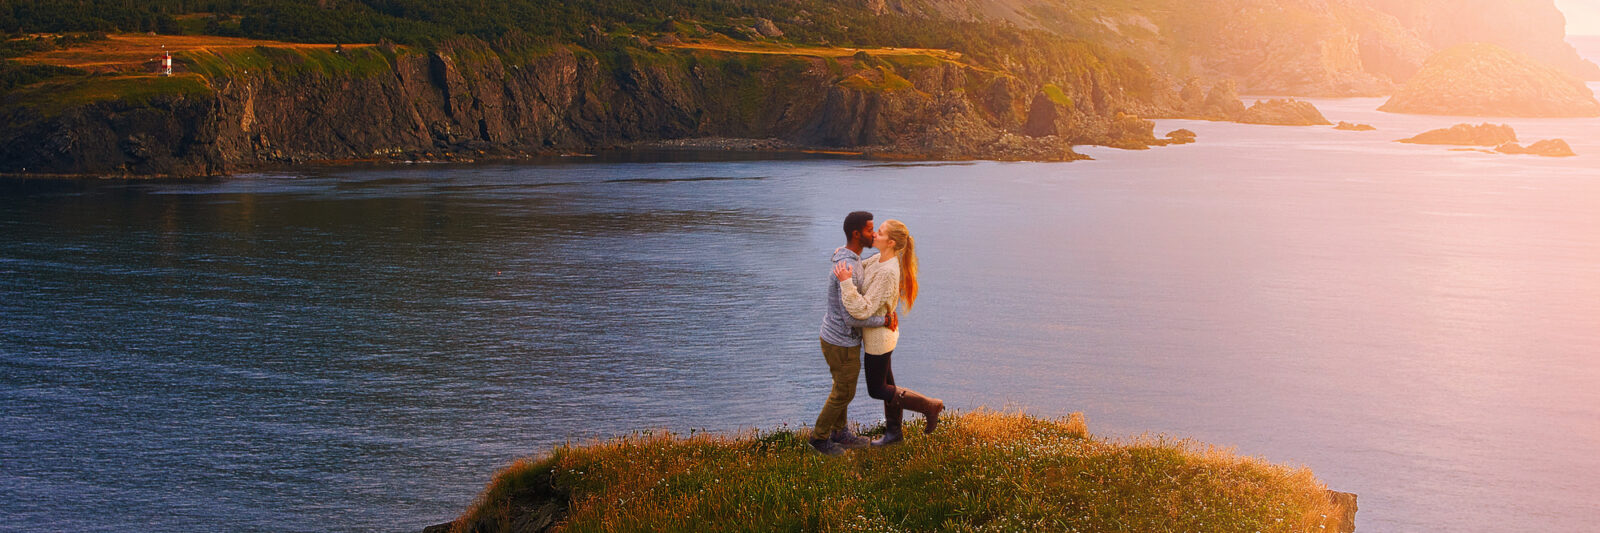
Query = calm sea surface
x=359 y=349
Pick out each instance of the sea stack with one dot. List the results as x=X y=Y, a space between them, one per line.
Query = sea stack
x=1485 y=80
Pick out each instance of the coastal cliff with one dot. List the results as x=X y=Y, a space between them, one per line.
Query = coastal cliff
x=469 y=98
x=1301 y=48
x=923 y=79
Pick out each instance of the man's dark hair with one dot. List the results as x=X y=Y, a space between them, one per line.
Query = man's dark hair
x=854 y=221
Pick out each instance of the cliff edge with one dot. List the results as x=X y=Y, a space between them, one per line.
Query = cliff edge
x=229 y=109
x=980 y=471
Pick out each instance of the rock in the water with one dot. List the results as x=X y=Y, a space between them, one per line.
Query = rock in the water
x=1468 y=135
x=1223 y=102
x=1353 y=127
x=1131 y=132
x=1480 y=79
x=1547 y=148
x=1180 y=136
x=1346 y=504
x=1278 y=112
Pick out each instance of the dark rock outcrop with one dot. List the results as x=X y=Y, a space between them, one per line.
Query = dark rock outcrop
x=1346 y=503
x=767 y=29
x=1480 y=79
x=1546 y=148
x=1222 y=103
x=1467 y=135
x=1283 y=112
x=1347 y=126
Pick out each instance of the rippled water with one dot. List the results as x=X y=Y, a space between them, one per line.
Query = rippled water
x=359 y=349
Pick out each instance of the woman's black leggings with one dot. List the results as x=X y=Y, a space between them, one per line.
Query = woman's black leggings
x=880 y=378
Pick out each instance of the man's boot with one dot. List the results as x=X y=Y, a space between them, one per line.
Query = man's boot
x=848 y=439
x=929 y=407
x=826 y=447
x=892 y=413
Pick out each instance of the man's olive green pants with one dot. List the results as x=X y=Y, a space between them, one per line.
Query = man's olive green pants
x=844 y=362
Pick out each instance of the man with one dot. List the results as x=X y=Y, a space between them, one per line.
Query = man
x=841 y=342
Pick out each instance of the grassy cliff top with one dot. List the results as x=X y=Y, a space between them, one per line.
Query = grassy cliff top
x=982 y=471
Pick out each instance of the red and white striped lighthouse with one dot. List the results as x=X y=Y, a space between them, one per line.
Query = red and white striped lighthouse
x=166 y=63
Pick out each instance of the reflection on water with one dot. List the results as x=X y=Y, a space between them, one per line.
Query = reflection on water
x=360 y=348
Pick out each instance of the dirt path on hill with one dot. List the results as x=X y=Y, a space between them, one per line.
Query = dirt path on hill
x=818 y=51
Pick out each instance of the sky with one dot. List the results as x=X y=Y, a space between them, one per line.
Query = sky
x=1583 y=16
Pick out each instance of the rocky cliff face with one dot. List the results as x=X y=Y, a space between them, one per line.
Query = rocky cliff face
x=1298 y=47
x=1533 y=27
x=471 y=98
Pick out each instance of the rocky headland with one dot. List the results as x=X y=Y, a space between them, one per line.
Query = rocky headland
x=245 y=108
x=1481 y=79
x=1348 y=126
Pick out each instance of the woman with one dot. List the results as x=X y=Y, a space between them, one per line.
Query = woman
x=890 y=279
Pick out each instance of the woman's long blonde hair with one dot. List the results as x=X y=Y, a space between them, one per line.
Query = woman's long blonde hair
x=905 y=252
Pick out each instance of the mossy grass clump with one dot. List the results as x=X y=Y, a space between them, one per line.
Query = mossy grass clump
x=981 y=471
x=1056 y=95
x=879 y=79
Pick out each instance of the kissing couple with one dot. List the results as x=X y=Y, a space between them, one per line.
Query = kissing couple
x=863 y=297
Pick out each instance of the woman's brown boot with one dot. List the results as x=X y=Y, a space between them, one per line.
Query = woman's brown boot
x=892 y=414
x=929 y=407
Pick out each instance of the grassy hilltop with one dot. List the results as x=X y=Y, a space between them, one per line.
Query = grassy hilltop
x=982 y=471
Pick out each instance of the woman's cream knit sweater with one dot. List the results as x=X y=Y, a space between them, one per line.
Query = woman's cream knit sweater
x=882 y=288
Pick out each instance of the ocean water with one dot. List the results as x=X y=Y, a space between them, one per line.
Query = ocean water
x=361 y=348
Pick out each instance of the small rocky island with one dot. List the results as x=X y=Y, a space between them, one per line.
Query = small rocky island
x=1466 y=135
x=1546 y=148
x=1485 y=80
x=1499 y=136
x=1283 y=112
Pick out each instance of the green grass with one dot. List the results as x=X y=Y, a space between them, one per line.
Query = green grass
x=886 y=80
x=982 y=471
x=912 y=60
x=53 y=97
x=365 y=62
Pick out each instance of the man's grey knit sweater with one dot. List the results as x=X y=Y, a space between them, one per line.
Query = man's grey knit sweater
x=838 y=327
